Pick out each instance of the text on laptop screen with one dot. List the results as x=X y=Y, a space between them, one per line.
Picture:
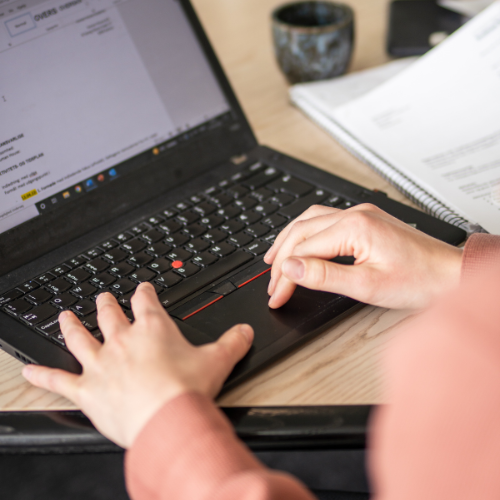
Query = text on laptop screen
x=86 y=85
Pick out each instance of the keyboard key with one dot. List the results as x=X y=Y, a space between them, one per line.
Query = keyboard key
x=262 y=194
x=222 y=249
x=9 y=296
x=291 y=185
x=196 y=199
x=18 y=306
x=187 y=270
x=345 y=205
x=211 y=191
x=140 y=228
x=140 y=259
x=334 y=201
x=124 y=300
x=78 y=275
x=233 y=226
x=154 y=221
x=182 y=206
x=28 y=286
x=249 y=217
x=160 y=266
x=84 y=307
x=108 y=245
x=204 y=277
x=250 y=273
x=188 y=217
x=225 y=184
x=240 y=176
x=215 y=235
x=265 y=209
x=265 y=177
x=122 y=269
x=169 y=213
x=204 y=259
x=123 y=237
x=103 y=280
x=271 y=238
x=177 y=240
x=257 y=248
x=58 y=286
x=58 y=338
x=39 y=314
x=281 y=199
x=170 y=226
x=134 y=246
x=196 y=305
x=152 y=236
x=96 y=266
x=274 y=221
x=204 y=209
x=197 y=245
x=38 y=296
x=44 y=278
x=302 y=204
x=83 y=291
x=71 y=264
x=93 y=253
x=62 y=270
x=229 y=212
x=194 y=230
x=246 y=203
x=212 y=221
x=257 y=230
x=158 y=249
x=237 y=191
x=116 y=255
x=168 y=280
x=240 y=239
x=221 y=199
x=179 y=254
x=50 y=326
x=90 y=322
x=142 y=275
x=123 y=286
x=64 y=301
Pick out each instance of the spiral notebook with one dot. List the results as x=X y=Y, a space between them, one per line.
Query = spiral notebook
x=429 y=126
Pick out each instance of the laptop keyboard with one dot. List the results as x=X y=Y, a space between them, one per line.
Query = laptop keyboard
x=180 y=250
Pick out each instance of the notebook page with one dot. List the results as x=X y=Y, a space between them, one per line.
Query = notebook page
x=439 y=120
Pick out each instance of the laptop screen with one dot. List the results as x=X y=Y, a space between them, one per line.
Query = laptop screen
x=87 y=89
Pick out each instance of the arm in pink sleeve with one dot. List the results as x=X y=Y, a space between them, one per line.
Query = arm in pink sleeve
x=439 y=436
x=189 y=451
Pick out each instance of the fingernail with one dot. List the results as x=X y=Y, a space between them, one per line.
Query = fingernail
x=270 y=287
x=27 y=371
x=247 y=332
x=100 y=297
x=294 y=269
x=268 y=253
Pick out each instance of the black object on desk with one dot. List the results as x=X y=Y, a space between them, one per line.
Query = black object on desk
x=416 y=26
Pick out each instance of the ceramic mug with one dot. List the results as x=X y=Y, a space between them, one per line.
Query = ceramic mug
x=313 y=40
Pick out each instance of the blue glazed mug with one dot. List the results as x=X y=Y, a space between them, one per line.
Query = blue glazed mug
x=313 y=40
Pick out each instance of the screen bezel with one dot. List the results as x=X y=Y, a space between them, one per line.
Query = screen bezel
x=42 y=234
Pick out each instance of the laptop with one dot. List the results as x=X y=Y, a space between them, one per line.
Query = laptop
x=124 y=158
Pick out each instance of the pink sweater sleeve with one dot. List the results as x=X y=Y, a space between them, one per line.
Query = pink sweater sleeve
x=189 y=451
x=439 y=436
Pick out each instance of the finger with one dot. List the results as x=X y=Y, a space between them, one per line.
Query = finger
x=78 y=339
x=311 y=212
x=110 y=317
x=231 y=347
x=300 y=231
x=318 y=274
x=58 y=381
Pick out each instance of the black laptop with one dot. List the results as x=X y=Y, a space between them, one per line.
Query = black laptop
x=125 y=158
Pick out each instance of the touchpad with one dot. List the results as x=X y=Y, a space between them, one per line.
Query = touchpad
x=305 y=311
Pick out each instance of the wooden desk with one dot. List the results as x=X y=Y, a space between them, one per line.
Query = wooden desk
x=340 y=366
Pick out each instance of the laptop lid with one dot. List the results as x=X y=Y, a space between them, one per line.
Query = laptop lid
x=104 y=104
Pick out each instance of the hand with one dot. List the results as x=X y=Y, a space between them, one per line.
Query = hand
x=140 y=366
x=396 y=265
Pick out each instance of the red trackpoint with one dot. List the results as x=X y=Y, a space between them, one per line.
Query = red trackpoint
x=177 y=264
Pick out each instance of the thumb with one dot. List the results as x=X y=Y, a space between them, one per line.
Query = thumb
x=231 y=348
x=319 y=274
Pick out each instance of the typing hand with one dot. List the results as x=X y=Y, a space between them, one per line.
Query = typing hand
x=396 y=265
x=140 y=366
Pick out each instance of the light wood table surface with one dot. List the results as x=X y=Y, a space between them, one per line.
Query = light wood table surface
x=342 y=365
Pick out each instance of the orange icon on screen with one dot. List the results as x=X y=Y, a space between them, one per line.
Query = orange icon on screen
x=66 y=195
x=100 y=177
x=156 y=151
